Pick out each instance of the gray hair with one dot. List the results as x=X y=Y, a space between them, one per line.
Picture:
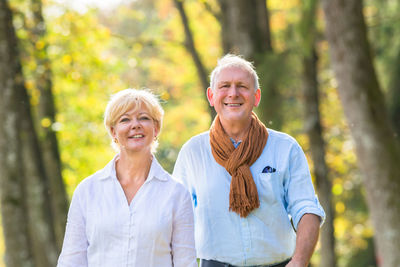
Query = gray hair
x=230 y=60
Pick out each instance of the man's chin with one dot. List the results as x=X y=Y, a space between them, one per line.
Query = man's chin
x=235 y=118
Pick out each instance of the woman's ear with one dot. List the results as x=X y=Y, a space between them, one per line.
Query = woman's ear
x=156 y=129
x=113 y=134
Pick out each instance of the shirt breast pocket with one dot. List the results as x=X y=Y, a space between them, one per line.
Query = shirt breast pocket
x=268 y=187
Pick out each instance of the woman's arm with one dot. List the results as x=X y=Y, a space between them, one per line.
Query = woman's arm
x=75 y=244
x=183 y=247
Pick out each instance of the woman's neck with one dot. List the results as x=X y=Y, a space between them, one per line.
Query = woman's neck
x=133 y=167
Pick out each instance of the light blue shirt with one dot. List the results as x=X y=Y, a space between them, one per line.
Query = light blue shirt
x=266 y=235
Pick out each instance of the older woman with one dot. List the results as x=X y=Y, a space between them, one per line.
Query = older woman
x=131 y=213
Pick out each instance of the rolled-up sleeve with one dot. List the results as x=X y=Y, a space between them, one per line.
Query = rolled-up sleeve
x=299 y=191
x=74 y=250
x=183 y=244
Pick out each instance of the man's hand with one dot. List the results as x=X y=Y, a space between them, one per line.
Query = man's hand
x=294 y=264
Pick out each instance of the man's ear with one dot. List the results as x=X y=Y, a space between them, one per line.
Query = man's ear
x=210 y=95
x=258 y=97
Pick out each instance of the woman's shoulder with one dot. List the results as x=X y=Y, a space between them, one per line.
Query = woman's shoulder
x=175 y=186
x=167 y=178
x=86 y=186
x=90 y=183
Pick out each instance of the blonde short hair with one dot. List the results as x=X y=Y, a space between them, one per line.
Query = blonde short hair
x=134 y=99
x=230 y=61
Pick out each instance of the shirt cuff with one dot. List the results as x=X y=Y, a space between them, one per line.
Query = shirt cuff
x=310 y=207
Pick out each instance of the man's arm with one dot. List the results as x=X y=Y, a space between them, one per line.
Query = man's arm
x=307 y=237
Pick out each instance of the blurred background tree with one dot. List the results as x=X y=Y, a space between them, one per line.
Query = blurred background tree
x=27 y=217
x=308 y=33
x=74 y=56
x=370 y=125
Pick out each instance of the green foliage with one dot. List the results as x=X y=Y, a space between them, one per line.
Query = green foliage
x=96 y=54
x=308 y=18
x=363 y=257
x=383 y=22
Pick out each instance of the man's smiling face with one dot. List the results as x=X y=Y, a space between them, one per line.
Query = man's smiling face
x=234 y=95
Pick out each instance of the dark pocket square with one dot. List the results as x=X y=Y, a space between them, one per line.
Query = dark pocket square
x=268 y=169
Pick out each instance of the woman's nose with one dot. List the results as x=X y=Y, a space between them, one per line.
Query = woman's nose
x=135 y=124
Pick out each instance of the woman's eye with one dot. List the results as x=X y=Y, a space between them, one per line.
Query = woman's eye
x=124 y=120
x=144 y=118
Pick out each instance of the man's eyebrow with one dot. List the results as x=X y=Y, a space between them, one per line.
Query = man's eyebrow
x=223 y=82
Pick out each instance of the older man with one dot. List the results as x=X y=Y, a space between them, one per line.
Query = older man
x=252 y=193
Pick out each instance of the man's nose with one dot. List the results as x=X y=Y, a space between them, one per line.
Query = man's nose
x=233 y=90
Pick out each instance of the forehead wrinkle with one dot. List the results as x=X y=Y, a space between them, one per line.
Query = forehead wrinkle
x=245 y=78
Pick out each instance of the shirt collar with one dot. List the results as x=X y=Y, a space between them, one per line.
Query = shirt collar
x=235 y=144
x=156 y=171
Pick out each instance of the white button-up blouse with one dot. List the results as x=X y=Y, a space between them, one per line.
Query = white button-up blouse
x=155 y=229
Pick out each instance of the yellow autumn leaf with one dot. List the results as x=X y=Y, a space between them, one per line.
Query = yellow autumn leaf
x=39 y=45
x=45 y=122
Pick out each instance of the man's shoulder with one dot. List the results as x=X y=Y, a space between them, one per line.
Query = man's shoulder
x=281 y=138
x=198 y=141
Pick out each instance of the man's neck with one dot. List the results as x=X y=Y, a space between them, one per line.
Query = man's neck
x=236 y=130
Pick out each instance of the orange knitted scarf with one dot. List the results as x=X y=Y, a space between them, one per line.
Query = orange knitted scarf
x=243 y=196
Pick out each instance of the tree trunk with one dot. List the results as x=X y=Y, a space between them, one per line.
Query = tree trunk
x=189 y=44
x=13 y=205
x=26 y=214
x=245 y=27
x=377 y=149
x=394 y=94
x=47 y=136
x=245 y=30
x=314 y=130
x=317 y=145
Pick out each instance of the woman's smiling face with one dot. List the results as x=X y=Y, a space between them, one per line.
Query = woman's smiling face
x=135 y=130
